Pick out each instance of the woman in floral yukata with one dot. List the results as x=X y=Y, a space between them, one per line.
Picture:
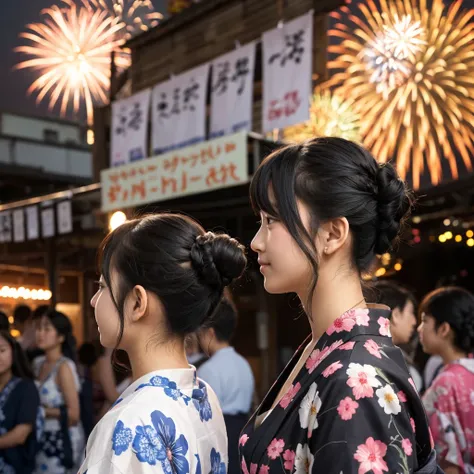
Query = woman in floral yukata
x=447 y=330
x=162 y=278
x=345 y=403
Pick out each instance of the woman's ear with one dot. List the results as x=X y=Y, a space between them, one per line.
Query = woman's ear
x=138 y=303
x=333 y=235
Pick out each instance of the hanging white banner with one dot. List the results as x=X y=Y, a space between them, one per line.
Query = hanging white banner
x=47 y=222
x=179 y=111
x=5 y=227
x=32 y=222
x=232 y=91
x=128 y=132
x=64 y=211
x=287 y=72
x=18 y=225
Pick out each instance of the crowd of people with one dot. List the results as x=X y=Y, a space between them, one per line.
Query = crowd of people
x=351 y=399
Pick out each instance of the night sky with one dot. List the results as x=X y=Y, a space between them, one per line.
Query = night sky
x=14 y=15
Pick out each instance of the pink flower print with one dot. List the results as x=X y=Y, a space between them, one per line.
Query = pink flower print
x=275 y=448
x=347 y=408
x=316 y=358
x=401 y=396
x=264 y=469
x=384 y=324
x=288 y=397
x=431 y=438
x=362 y=380
x=370 y=456
x=342 y=323
x=243 y=440
x=361 y=316
x=335 y=345
x=412 y=423
x=407 y=447
x=332 y=368
x=253 y=468
x=373 y=348
x=289 y=457
x=348 y=346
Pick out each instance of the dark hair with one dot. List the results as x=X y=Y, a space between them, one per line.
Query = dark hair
x=40 y=311
x=224 y=321
x=393 y=295
x=88 y=354
x=22 y=313
x=4 y=322
x=334 y=178
x=455 y=306
x=171 y=256
x=63 y=326
x=20 y=365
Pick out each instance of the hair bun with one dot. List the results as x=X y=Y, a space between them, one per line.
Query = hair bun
x=218 y=259
x=393 y=205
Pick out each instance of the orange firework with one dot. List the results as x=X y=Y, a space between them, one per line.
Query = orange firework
x=408 y=71
x=71 y=50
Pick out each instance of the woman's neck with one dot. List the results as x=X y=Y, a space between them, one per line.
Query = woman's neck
x=5 y=378
x=54 y=354
x=451 y=354
x=146 y=358
x=335 y=294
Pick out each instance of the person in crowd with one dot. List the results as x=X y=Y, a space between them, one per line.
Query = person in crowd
x=4 y=322
x=19 y=405
x=194 y=353
x=24 y=323
x=433 y=367
x=166 y=421
x=345 y=402
x=61 y=446
x=87 y=357
x=403 y=320
x=447 y=330
x=229 y=375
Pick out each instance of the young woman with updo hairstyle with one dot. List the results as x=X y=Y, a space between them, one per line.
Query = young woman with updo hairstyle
x=345 y=403
x=162 y=278
x=447 y=330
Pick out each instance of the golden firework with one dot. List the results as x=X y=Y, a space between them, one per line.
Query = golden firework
x=329 y=116
x=428 y=114
x=71 y=49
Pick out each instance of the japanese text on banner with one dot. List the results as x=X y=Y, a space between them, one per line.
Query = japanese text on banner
x=232 y=91
x=128 y=133
x=287 y=72
x=211 y=165
x=179 y=111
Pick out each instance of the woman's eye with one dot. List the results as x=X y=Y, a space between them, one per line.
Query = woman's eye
x=271 y=220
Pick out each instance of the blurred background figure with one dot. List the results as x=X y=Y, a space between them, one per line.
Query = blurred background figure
x=447 y=330
x=403 y=320
x=4 y=322
x=194 y=352
x=62 y=444
x=229 y=375
x=23 y=321
x=19 y=407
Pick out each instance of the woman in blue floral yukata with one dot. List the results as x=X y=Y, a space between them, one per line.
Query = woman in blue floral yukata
x=345 y=403
x=162 y=277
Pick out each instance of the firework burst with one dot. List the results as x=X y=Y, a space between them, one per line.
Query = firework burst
x=329 y=116
x=71 y=50
x=429 y=113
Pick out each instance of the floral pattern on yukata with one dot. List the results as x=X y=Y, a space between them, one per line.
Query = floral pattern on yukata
x=449 y=403
x=352 y=408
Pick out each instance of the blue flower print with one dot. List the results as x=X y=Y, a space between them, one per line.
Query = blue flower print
x=155 y=381
x=121 y=438
x=117 y=402
x=201 y=402
x=159 y=443
x=198 y=465
x=148 y=446
x=217 y=467
x=173 y=391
